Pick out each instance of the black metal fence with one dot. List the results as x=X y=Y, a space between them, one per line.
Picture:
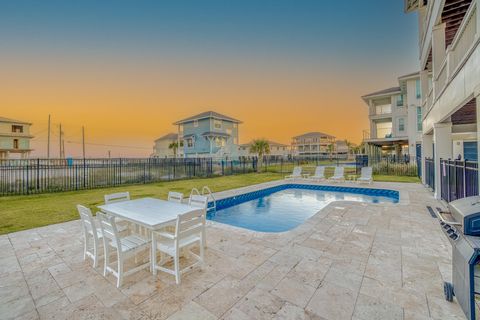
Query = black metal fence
x=430 y=172
x=33 y=176
x=459 y=179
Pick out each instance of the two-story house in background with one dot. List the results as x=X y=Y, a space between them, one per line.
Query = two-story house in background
x=14 y=138
x=164 y=146
x=395 y=120
x=209 y=134
x=313 y=143
x=276 y=149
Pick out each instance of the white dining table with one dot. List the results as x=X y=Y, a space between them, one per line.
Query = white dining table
x=153 y=214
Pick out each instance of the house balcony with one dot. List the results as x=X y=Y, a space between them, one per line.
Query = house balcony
x=456 y=77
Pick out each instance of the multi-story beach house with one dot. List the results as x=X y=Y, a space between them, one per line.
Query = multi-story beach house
x=14 y=138
x=165 y=146
x=395 y=120
x=276 y=149
x=209 y=134
x=449 y=37
x=313 y=143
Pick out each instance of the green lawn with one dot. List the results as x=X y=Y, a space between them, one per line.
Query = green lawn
x=26 y=212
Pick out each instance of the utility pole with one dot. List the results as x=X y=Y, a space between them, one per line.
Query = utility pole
x=48 y=143
x=60 y=142
x=83 y=141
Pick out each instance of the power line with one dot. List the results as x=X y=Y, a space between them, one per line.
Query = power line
x=109 y=145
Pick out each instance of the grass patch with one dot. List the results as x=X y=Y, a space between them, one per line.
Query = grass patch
x=385 y=178
x=26 y=212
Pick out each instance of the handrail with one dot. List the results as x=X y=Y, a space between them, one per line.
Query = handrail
x=194 y=191
x=206 y=190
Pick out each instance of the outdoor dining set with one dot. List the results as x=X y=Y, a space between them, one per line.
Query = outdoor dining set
x=126 y=228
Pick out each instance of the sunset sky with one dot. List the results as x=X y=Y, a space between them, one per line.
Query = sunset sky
x=126 y=70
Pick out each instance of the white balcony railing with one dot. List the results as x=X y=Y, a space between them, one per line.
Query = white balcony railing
x=464 y=39
x=456 y=53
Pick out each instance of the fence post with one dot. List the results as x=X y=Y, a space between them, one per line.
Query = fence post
x=465 y=178
x=223 y=168
x=84 y=173
x=38 y=174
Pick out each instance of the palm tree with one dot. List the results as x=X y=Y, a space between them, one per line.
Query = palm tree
x=261 y=147
x=330 y=149
x=174 y=146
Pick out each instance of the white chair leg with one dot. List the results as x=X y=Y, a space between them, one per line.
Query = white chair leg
x=154 y=255
x=106 y=260
x=95 y=253
x=177 y=269
x=202 y=251
x=85 y=248
x=120 y=271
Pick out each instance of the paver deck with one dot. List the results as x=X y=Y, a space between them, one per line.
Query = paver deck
x=349 y=261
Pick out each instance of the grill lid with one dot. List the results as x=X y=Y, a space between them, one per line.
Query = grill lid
x=467 y=212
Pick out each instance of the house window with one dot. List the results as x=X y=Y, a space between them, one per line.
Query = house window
x=400 y=100
x=228 y=131
x=418 y=89
x=235 y=140
x=419 y=119
x=195 y=123
x=15 y=144
x=180 y=128
x=235 y=126
x=17 y=129
x=219 y=142
x=190 y=143
x=217 y=124
x=401 y=124
x=470 y=150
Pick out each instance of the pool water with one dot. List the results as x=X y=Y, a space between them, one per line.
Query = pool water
x=285 y=209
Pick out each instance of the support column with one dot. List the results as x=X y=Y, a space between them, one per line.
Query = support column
x=477 y=102
x=442 y=138
x=427 y=152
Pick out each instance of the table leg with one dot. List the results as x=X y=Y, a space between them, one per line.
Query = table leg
x=152 y=254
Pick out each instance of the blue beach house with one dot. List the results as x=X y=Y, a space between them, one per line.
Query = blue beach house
x=209 y=134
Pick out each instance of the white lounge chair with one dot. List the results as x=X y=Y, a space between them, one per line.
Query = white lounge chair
x=189 y=230
x=126 y=247
x=338 y=175
x=296 y=173
x=175 y=196
x=365 y=175
x=90 y=231
x=319 y=174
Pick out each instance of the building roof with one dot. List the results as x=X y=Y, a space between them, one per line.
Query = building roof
x=3 y=119
x=168 y=136
x=270 y=142
x=206 y=115
x=410 y=75
x=383 y=92
x=313 y=134
x=410 y=5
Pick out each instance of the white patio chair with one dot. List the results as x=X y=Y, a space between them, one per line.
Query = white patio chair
x=126 y=247
x=201 y=202
x=89 y=231
x=319 y=174
x=175 y=196
x=122 y=224
x=296 y=173
x=189 y=230
x=338 y=175
x=366 y=175
x=198 y=201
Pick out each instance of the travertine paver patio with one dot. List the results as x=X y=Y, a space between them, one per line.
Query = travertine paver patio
x=349 y=261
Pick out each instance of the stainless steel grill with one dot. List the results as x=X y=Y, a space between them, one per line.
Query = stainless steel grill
x=461 y=224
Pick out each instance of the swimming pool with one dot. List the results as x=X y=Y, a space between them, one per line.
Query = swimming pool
x=284 y=207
